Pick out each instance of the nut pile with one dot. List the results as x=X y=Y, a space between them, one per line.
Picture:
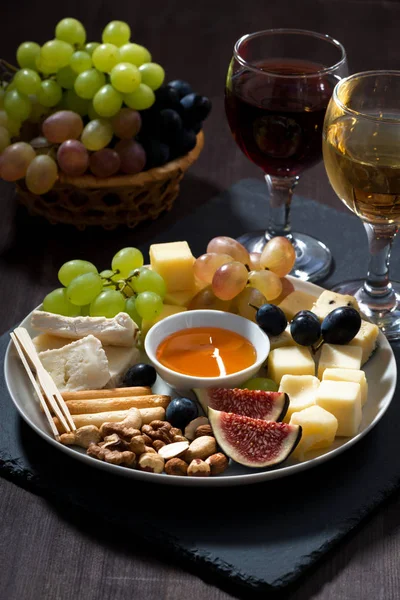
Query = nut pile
x=156 y=447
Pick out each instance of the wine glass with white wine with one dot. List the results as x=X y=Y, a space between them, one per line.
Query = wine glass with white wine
x=361 y=148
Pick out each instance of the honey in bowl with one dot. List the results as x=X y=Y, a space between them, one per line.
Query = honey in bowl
x=206 y=352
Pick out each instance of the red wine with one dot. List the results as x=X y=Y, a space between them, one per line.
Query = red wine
x=277 y=121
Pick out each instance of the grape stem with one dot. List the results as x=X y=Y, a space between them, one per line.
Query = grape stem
x=116 y=284
x=314 y=349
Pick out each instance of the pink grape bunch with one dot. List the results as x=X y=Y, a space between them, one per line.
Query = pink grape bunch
x=76 y=107
x=238 y=280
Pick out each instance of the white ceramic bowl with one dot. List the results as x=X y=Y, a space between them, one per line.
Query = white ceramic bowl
x=206 y=318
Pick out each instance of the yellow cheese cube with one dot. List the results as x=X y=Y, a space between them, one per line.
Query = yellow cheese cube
x=295 y=302
x=328 y=301
x=292 y=360
x=174 y=262
x=319 y=428
x=180 y=298
x=301 y=389
x=282 y=340
x=167 y=311
x=340 y=357
x=343 y=400
x=366 y=339
x=354 y=375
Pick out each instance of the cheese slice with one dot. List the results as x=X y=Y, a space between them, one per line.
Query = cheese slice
x=282 y=340
x=119 y=358
x=319 y=428
x=174 y=262
x=295 y=302
x=291 y=360
x=336 y=356
x=302 y=391
x=121 y=330
x=354 y=375
x=119 y=361
x=328 y=301
x=366 y=339
x=343 y=400
x=81 y=365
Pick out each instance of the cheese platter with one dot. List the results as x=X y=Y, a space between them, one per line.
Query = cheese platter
x=236 y=378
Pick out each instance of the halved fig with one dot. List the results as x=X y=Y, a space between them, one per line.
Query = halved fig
x=253 y=442
x=270 y=406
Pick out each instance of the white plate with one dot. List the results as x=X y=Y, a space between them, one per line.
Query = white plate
x=381 y=372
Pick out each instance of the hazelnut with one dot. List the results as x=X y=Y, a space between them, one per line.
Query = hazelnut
x=157 y=444
x=179 y=438
x=198 y=468
x=175 y=466
x=147 y=440
x=147 y=430
x=137 y=444
x=201 y=447
x=158 y=424
x=203 y=430
x=218 y=463
x=193 y=425
x=175 y=431
x=149 y=450
x=152 y=463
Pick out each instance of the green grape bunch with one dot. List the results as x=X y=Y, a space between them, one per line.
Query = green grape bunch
x=89 y=102
x=128 y=286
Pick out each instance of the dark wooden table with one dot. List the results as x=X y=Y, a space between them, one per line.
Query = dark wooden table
x=49 y=551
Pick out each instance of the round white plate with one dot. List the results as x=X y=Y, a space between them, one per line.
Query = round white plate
x=381 y=372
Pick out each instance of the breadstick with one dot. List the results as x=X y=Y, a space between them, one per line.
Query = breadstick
x=122 y=392
x=96 y=405
x=97 y=419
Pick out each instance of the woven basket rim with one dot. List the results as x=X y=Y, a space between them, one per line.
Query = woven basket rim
x=152 y=175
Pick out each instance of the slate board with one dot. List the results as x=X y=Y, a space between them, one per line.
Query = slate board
x=251 y=539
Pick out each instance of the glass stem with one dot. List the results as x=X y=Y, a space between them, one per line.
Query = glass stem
x=377 y=284
x=280 y=197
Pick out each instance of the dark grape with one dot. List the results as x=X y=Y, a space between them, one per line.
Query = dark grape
x=181 y=411
x=197 y=127
x=183 y=88
x=170 y=125
x=305 y=328
x=271 y=319
x=184 y=143
x=341 y=325
x=167 y=97
x=157 y=153
x=196 y=108
x=140 y=375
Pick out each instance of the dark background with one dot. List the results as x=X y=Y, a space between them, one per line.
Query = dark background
x=50 y=551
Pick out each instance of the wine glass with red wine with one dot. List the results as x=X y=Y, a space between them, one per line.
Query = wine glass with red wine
x=278 y=86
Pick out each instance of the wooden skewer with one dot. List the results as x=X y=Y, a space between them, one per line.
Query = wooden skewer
x=35 y=386
x=123 y=392
x=46 y=382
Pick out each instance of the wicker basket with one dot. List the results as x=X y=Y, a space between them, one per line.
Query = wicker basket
x=119 y=200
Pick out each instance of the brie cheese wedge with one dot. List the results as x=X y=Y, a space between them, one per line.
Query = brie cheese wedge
x=119 y=358
x=121 y=330
x=80 y=365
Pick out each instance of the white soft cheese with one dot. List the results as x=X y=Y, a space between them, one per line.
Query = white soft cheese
x=81 y=365
x=119 y=358
x=121 y=330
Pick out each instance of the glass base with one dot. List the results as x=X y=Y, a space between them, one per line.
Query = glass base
x=388 y=320
x=313 y=258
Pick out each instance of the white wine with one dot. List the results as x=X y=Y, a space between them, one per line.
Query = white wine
x=362 y=160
